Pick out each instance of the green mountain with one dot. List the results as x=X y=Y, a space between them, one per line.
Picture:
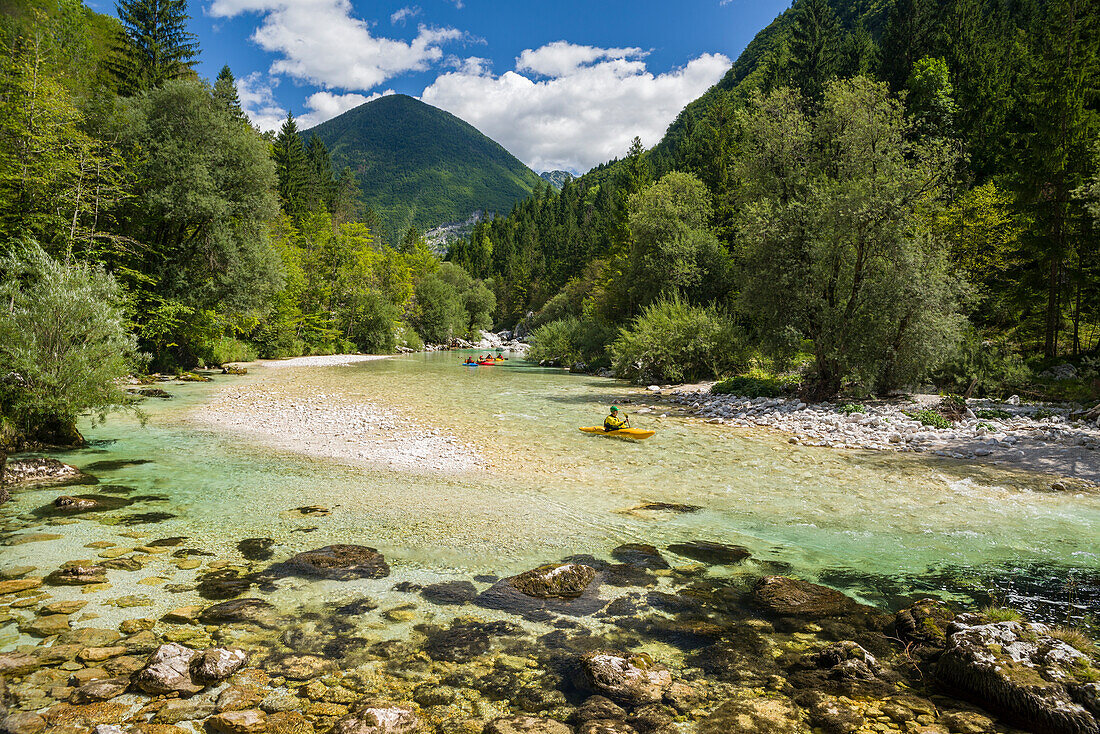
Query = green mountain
x=420 y=166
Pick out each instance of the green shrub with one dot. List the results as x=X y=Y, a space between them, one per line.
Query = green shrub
x=438 y=313
x=672 y=341
x=571 y=341
x=1044 y=413
x=850 y=408
x=227 y=349
x=930 y=418
x=406 y=336
x=749 y=387
x=998 y=414
x=995 y=366
x=63 y=344
x=372 y=327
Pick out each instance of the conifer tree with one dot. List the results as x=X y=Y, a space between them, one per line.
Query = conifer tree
x=815 y=47
x=225 y=92
x=156 y=45
x=292 y=167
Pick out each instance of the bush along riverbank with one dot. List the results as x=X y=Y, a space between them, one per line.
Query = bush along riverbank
x=647 y=641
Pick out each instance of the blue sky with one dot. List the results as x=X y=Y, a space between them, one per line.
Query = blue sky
x=560 y=83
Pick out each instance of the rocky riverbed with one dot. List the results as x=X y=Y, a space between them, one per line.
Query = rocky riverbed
x=646 y=642
x=1051 y=439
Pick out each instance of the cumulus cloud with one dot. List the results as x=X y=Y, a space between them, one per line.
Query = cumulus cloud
x=403 y=14
x=257 y=97
x=561 y=57
x=570 y=107
x=322 y=43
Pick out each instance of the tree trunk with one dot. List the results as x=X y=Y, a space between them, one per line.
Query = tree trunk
x=1050 y=346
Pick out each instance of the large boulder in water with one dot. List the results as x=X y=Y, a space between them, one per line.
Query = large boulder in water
x=1020 y=672
x=554 y=581
x=340 y=562
x=632 y=680
x=787 y=597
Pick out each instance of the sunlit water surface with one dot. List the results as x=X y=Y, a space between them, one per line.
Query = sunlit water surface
x=884 y=527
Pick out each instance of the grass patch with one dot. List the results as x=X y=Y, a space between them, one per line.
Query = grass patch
x=1001 y=614
x=1075 y=638
x=753 y=386
x=995 y=414
x=851 y=408
x=1043 y=414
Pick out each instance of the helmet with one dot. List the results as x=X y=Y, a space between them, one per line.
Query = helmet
x=614 y=409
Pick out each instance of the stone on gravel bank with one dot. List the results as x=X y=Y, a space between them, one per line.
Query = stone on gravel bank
x=1020 y=671
x=39 y=472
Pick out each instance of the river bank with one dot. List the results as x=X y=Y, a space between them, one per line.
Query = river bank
x=276 y=412
x=1039 y=438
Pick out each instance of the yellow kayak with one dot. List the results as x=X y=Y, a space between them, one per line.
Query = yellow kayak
x=636 y=433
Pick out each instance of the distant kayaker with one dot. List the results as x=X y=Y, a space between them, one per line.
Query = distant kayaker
x=613 y=422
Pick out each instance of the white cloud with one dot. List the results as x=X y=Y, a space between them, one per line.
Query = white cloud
x=400 y=16
x=322 y=43
x=561 y=57
x=257 y=97
x=577 y=106
x=258 y=101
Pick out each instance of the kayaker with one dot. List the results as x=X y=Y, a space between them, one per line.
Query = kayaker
x=613 y=422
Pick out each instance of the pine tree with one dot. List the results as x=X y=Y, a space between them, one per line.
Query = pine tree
x=1059 y=130
x=156 y=45
x=909 y=35
x=322 y=183
x=225 y=92
x=815 y=47
x=293 y=168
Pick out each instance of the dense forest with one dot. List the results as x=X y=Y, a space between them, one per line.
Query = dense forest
x=145 y=224
x=876 y=194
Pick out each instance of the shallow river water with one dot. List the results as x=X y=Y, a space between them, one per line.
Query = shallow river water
x=882 y=527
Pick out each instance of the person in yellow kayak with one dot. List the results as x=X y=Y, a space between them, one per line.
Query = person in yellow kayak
x=613 y=422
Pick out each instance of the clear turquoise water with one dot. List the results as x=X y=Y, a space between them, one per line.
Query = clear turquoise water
x=874 y=524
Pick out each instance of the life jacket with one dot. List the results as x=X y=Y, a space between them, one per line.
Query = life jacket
x=611 y=423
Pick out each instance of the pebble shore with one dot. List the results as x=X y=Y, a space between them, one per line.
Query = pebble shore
x=1031 y=438
x=334 y=426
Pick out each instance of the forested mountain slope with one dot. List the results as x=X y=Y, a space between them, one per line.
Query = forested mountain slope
x=420 y=166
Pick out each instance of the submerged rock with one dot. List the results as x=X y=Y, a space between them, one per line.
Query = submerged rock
x=450 y=592
x=465 y=639
x=554 y=581
x=526 y=725
x=789 y=597
x=376 y=717
x=715 y=554
x=256 y=549
x=100 y=690
x=168 y=670
x=848 y=659
x=640 y=555
x=924 y=623
x=77 y=573
x=79 y=504
x=250 y=721
x=340 y=562
x=764 y=715
x=627 y=679
x=241 y=611
x=1018 y=670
